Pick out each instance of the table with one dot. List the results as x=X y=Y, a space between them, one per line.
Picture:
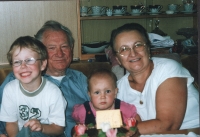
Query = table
x=183 y=131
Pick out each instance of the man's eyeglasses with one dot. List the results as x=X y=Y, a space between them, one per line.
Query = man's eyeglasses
x=125 y=51
x=28 y=61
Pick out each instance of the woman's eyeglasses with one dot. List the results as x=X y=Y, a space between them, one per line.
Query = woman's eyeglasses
x=28 y=61
x=125 y=51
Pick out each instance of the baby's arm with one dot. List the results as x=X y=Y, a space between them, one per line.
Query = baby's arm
x=12 y=128
x=79 y=113
x=128 y=111
x=51 y=129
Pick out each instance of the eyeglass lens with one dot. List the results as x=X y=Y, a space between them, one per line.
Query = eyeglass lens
x=125 y=51
x=28 y=61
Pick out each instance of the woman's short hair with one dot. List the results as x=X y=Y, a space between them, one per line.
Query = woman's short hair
x=56 y=26
x=30 y=43
x=129 y=27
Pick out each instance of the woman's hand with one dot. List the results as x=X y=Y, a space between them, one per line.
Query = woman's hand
x=34 y=125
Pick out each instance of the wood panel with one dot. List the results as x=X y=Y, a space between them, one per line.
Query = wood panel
x=20 y=18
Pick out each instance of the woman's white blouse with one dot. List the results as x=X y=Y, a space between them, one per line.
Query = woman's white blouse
x=163 y=69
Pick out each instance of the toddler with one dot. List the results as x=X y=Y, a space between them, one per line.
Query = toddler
x=102 y=89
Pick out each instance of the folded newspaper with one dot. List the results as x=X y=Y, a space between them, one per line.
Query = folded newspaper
x=160 y=41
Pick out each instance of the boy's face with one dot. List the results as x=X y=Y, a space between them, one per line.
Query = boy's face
x=102 y=92
x=28 y=75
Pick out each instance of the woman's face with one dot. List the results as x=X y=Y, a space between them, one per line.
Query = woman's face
x=136 y=61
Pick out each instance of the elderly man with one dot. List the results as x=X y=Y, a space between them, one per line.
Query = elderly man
x=73 y=84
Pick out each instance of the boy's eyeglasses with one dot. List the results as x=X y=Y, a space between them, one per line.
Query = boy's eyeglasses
x=28 y=61
x=125 y=51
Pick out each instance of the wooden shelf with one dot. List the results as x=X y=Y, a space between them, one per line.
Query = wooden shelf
x=144 y=16
x=127 y=16
x=90 y=56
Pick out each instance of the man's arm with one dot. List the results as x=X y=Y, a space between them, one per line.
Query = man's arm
x=9 y=78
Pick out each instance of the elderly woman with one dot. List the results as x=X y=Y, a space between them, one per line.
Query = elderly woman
x=161 y=89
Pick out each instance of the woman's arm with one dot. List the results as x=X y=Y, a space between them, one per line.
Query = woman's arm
x=137 y=117
x=12 y=128
x=171 y=101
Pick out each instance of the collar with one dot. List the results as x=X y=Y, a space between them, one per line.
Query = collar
x=34 y=93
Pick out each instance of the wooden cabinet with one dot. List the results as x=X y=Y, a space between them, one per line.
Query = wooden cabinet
x=91 y=29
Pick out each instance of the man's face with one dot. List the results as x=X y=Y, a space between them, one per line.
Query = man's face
x=59 y=52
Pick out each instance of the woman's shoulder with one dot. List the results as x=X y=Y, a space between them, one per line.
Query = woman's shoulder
x=166 y=64
x=165 y=61
x=167 y=68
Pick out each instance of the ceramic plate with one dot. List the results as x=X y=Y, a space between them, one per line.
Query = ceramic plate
x=95 y=15
x=118 y=14
x=136 y=14
x=187 y=12
x=153 y=13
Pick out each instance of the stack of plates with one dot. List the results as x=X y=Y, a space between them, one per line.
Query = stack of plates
x=94 y=47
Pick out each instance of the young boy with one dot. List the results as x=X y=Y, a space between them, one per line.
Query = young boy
x=30 y=100
x=102 y=89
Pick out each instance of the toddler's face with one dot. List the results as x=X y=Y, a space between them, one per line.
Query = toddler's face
x=25 y=73
x=102 y=92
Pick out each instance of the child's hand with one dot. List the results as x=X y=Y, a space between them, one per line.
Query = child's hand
x=34 y=125
x=3 y=135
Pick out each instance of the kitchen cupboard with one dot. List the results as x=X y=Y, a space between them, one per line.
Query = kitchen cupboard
x=94 y=29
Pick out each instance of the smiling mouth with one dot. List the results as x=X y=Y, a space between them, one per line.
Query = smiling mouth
x=134 y=60
x=24 y=74
x=61 y=60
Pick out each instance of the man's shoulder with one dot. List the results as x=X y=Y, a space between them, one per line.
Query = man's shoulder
x=74 y=73
x=8 y=78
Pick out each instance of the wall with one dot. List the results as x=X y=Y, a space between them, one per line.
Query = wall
x=20 y=18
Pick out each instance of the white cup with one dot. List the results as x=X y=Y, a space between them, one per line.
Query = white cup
x=173 y=7
x=119 y=11
x=97 y=10
x=188 y=7
x=154 y=10
x=84 y=9
x=135 y=10
x=109 y=13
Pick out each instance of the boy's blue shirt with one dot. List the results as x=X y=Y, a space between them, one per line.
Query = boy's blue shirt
x=73 y=87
